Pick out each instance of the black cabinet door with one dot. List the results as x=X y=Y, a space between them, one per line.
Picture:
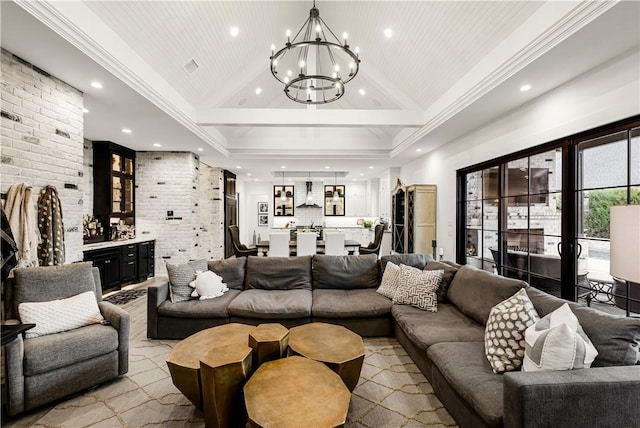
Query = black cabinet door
x=129 y=263
x=144 y=256
x=108 y=263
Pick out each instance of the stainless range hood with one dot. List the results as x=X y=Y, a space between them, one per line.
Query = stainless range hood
x=308 y=204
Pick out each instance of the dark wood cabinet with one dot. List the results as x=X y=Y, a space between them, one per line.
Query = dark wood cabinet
x=146 y=260
x=113 y=185
x=108 y=262
x=230 y=210
x=123 y=264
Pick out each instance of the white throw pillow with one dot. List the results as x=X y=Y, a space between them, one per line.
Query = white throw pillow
x=504 y=334
x=389 y=281
x=208 y=285
x=60 y=315
x=557 y=342
x=418 y=288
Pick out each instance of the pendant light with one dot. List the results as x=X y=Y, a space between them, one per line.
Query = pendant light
x=336 y=196
x=283 y=193
x=309 y=194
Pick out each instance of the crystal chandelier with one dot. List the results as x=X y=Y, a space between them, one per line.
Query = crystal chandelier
x=315 y=65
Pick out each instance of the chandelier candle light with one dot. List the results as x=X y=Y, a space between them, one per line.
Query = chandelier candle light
x=315 y=65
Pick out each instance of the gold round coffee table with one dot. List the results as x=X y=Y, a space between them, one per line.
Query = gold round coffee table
x=184 y=359
x=296 y=392
x=338 y=347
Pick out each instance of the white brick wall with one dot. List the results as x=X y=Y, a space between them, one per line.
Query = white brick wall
x=42 y=141
x=171 y=181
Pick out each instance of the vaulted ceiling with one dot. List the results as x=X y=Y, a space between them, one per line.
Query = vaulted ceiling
x=449 y=67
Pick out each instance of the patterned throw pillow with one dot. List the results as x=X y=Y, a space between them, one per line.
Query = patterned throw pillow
x=504 y=334
x=60 y=315
x=557 y=342
x=418 y=287
x=389 y=281
x=447 y=277
x=180 y=276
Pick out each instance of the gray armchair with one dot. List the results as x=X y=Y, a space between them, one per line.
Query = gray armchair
x=47 y=368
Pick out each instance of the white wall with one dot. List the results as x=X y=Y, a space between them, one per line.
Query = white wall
x=603 y=95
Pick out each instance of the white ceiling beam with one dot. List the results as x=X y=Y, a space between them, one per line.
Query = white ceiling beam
x=303 y=117
x=389 y=88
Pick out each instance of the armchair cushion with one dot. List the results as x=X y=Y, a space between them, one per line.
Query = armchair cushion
x=46 y=353
x=52 y=283
x=60 y=315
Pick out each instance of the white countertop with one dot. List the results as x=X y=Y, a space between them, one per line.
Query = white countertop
x=108 y=244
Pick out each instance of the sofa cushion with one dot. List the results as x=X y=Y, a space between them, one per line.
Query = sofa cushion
x=46 y=353
x=180 y=276
x=616 y=338
x=447 y=277
x=361 y=303
x=447 y=325
x=278 y=273
x=232 y=271
x=345 y=272
x=475 y=291
x=467 y=371
x=418 y=288
x=272 y=304
x=504 y=334
x=209 y=308
x=415 y=260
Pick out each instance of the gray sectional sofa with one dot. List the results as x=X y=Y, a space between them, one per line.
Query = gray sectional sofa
x=447 y=345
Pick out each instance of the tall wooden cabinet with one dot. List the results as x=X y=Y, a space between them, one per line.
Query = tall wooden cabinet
x=414 y=218
x=230 y=210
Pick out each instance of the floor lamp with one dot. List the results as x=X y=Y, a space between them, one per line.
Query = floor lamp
x=625 y=245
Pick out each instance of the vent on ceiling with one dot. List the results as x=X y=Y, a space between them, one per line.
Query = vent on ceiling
x=191 y=66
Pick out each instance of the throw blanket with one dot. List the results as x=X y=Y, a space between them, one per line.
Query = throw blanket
x=9 y=248
x=21 y=214
x=51 y=249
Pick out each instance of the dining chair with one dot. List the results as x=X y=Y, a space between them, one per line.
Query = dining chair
x=239 y=249
x=278 y=244
x=374 y=246
x=334 y=244
x=306 y=243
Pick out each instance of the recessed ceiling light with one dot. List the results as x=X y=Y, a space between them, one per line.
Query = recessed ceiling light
x=234 y=31
x=418 y=150
x=371 y=167
x=258 y=91
x=126 y=130
x=200 y=149
x=248 y=174
x=157 y=145
x=239 y=167
x=85 y=110
x=362 y=92
x=525 y=88
x=96 y=85
x=388 y=33
x=283 y=167
x=327 y=167
x=361 y=175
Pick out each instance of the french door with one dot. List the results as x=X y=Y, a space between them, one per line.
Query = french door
x=541 y=215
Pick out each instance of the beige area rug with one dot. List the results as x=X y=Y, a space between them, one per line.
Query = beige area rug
x=391 y=392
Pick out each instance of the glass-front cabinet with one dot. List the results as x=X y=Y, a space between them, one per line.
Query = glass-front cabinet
x=283 y=201
x=114 y=189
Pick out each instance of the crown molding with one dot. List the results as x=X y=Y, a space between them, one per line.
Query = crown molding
x=577 y=18
x=253 y=153
x=52 y=17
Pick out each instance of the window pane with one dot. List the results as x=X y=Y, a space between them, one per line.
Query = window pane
x=517 y=179
x=547 y=219
x=546 y=172
x=517 y=213
x=603 y=162
x=474 y=215
x=474 y=186
x=595 y=206
x=490 y=215
x=490 y=184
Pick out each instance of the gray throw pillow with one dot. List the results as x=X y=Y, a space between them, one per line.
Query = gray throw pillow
x=180 y=276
